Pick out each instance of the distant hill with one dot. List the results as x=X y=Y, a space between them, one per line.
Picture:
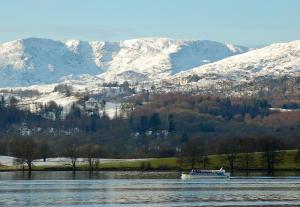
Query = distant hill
x=32 y=61
x=276 y=60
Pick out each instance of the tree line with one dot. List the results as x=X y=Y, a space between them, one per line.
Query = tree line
x=239 y=153
x=149 y=125
x=29 y=149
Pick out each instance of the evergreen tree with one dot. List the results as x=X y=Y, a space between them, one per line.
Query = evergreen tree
x=171 y=123
x=143 y=124
x=155 y=122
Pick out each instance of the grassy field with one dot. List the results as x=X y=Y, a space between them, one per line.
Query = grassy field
x=287 y=162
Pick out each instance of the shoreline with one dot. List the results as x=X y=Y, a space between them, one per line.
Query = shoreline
x=121 y=169
x=175 y=164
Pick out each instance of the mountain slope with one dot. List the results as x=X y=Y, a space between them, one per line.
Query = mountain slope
x=157 y=58
x=274 y=60
x=41 y=61
x=35 y=61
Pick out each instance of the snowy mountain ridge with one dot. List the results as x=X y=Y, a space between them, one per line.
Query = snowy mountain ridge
x=43 y=72
x=38 y=61
x=276 y=60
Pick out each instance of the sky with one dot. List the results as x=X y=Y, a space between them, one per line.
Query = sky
x=244 y=22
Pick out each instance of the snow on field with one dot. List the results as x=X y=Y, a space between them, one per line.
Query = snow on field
x=283 y=110
x=62 y=161
x=7 y=161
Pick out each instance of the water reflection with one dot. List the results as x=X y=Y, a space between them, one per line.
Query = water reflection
x=83 y=175
x=79 y=175
x=147 y=189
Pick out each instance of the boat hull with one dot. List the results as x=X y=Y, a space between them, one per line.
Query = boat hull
x=188 y=176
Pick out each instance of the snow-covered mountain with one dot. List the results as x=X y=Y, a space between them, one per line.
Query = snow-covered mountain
x=282 y=59
x=42 y=61
x=158 y=65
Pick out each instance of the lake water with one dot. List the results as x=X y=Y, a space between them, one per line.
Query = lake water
x=143 y=189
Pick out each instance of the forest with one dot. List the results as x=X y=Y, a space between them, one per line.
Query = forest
x=156 y=125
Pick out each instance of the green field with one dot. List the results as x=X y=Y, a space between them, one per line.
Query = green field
x=286 y=162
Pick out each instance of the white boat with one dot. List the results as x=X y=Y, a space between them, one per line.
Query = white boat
x=198 y=174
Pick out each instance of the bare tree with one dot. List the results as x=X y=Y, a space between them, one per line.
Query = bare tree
x=44 y=150
x=72 y=152
x=271 y=152
x=26 y=151
x=247 y=146
x=230 y=147
x=205 y=161
x=92 y=153
x=3 y=147
x=191 y=151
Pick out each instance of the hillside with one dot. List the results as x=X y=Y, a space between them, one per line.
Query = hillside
x=156 y=65
x=276 y=60
x=33 y=61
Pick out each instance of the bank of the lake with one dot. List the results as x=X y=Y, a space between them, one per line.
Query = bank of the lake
x=287 y=162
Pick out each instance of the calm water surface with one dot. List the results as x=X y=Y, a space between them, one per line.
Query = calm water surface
x=143 y=189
